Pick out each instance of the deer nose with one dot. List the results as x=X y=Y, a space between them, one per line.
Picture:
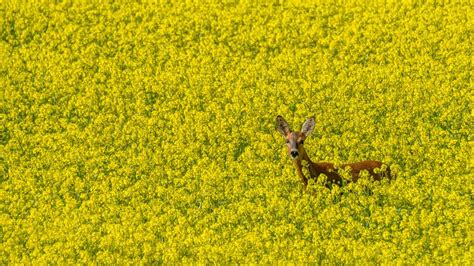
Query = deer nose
x=294 y=154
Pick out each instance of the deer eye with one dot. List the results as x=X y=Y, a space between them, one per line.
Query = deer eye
x=287 y=141
x=301 y=142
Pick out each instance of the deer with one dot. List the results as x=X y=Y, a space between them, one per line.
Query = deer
x=296 y=151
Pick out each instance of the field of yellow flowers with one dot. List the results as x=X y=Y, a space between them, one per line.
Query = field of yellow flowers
x=144 y=131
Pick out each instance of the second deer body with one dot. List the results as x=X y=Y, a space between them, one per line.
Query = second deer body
x=301 y=160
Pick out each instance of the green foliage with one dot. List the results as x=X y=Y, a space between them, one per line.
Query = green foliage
x=143 y=132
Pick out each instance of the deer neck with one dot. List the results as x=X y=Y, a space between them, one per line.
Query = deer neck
x=305 y=158
x=303 y=161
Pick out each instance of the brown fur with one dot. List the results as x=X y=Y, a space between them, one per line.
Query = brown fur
x=329 y=170
x=295 y=142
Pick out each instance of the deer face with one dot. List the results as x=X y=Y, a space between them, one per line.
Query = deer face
x=294 y=140
x=294 y=143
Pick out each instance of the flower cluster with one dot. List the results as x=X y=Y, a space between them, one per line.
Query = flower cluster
x=144 y=132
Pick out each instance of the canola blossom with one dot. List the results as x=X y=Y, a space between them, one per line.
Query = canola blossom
x=143 y=132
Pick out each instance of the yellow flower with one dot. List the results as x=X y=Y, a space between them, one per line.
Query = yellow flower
x=143 y=133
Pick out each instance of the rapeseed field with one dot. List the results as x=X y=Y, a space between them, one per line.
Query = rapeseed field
x=143 y=132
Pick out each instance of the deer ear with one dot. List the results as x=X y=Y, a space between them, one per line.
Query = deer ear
x=308 y=126
x=282 y=126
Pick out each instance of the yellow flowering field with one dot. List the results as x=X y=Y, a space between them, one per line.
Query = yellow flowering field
x=143 y=132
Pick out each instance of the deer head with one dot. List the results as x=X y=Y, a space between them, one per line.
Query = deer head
x=294 y=140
